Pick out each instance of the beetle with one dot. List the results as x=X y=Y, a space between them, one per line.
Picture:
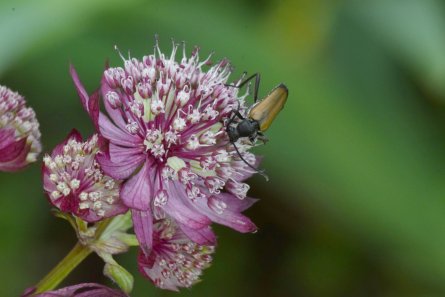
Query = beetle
x=259 y=116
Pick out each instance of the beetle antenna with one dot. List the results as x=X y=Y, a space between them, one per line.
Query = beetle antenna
x=261 y=172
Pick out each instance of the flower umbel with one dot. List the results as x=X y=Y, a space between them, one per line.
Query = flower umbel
x=167 y=141
x=75 y=183
x=174 y=261
x=19 y=132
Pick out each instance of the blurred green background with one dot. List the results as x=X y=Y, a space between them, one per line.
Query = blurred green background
x=355 y=205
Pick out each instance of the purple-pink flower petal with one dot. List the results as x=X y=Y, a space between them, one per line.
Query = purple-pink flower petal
x=143 y=228
x=120 y=170
x=115 y=134
x=80 y=290
x=113 y=112
x=181 y=208
x=90 y=104
x=138 y=190
x=217 y=209
x=10 y=150
x=203 y=236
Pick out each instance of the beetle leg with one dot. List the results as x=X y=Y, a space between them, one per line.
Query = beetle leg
x=262 y=137
x=236 y=113
x=261 y=172
x=257 y=85
x=253 y=138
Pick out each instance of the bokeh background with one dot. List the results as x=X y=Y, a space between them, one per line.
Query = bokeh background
x=355 y=205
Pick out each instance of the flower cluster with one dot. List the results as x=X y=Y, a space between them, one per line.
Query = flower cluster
x=19 y=132
x=168 y=142
x=161 y=152
x=74 y=182
x=174 y=261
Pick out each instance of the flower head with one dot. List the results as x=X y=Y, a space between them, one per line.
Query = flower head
x=168 y=142
x=19 y=132
x=174 y=261
x=75 y=183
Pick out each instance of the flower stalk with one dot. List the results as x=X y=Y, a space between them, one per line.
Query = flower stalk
x=72 y=260
x=64 y=268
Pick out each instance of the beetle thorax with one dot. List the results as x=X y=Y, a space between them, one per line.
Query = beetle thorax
x=245 y=128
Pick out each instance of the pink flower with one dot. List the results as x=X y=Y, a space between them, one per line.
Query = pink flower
x=174 y=261
x=81 y=290
x=19 y=132
x=75 y=183
x=168 y=142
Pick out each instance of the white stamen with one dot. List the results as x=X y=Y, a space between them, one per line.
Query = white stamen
x=179 y=124
x=194 y=117
x=84 y=205
x=157 y=107
x=55 y=194
x=132 y=127
x=192 y=142
x=94 y=196
x=171 y=137
x=161 y=198
x=83 y=196
x=183 y=97
x=75 y=183
x=53 y=177
x=157 y=150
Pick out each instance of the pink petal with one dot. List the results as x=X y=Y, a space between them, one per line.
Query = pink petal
x=79 y=88
x=16 y=164
x=81 y=290
x=6 y=136
x=74 y=134
x=120 y=170
x=138 y=190
x=235 y=204
x=12 y=150
x=120 y=154
x=180 y=208
x=115 y=114
x=230 y=217
x=203 y=236
x=143 y=227
x=115 y=134
x=93 y=109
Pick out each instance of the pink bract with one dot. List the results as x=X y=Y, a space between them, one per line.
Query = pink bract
x=80 y=290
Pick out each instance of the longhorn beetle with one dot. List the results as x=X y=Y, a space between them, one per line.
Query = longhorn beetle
x=259 y=116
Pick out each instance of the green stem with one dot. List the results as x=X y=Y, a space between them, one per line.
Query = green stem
x=74 y=258
x=63 y=269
